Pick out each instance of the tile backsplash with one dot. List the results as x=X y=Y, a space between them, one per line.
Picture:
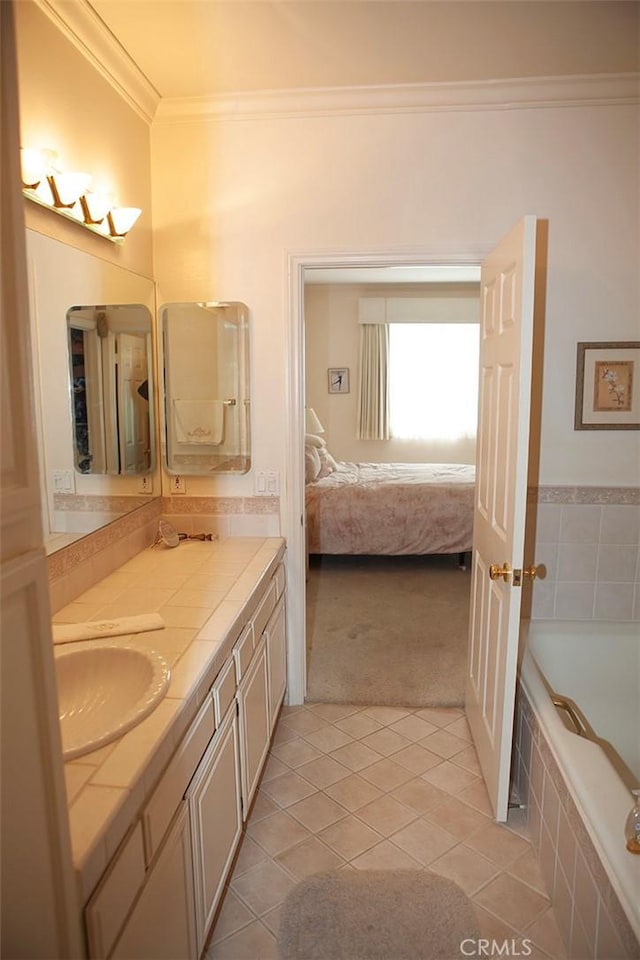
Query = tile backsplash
x=589 y=540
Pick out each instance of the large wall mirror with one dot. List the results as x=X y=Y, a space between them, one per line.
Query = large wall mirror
x=92 y=337
x=206 y=388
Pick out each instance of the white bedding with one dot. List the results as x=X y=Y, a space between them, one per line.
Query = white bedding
x=391 y=509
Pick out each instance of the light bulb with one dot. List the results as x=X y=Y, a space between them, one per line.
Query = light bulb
x=121 y=219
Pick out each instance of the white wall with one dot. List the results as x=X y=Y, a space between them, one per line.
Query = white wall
x=436 y=181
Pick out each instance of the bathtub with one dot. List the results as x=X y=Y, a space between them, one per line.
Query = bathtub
x=595 y=665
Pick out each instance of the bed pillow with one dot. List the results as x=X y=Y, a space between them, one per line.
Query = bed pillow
x=312 y=463
x=311 y=440
x=327 y=463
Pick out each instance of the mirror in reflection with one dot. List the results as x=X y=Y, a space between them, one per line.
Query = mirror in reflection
x=206 y=388
x=111 y=364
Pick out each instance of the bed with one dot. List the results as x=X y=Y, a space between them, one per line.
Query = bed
x=390 y=508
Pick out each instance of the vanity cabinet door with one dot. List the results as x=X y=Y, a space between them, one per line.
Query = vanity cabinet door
x=216 y=820
x=162 y=923
x=253 y=707
x=275 y=635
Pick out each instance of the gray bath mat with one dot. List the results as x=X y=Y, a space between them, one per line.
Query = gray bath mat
x=376 y=915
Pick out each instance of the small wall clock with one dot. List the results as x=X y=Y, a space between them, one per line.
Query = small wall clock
x=338 y=379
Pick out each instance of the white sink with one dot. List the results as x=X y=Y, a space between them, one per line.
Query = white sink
x=105 y=689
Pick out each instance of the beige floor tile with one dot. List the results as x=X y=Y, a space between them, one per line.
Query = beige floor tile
x=356 y=756
x=460 y=728
x=323 y=771
x=419 y=795
x=358 y=725
x=386 y=715
x=440 y=716
x=492 y=927
x=288 y=711
x=498 y=843
x=271 y=920
x=413 y=728
x=423 y=840
x=416 y=759
x=273 y=768
x=250 y=856
x=385 y=742
x=458 y=818
x=232 y=917
x=386 y=775
x=513 y=901
x=283 y=734
x=317 y=812
x=464 y=866
x=468 y=759
x=385 y=856
x=277 y=833
x=545 y=933
x=253 y=942
x=303 y=722
x=527 y=868
x=476 y=796
x=447 y=776
x=333 y=711
x=310 y=856
x=444 y=744
x=263 y=806
x=263 y=887
x=295 y=752
x=353 y=792
x=350 y=837
x=328 y=738
x=386 y=815
x=287 y=789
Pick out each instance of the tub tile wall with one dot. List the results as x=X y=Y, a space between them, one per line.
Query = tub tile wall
x=589 y=540
x=591 y=920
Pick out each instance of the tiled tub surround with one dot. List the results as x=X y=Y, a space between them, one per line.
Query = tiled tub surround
x=589 y=540
x=585 y=894
x=204 y=591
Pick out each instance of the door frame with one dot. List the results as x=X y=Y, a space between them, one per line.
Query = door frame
x=292 y=514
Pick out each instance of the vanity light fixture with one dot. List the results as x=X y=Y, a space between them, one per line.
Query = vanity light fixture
x=68 y=194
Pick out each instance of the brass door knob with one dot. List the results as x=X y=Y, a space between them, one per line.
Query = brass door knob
x=530 y=572
x=495 y=572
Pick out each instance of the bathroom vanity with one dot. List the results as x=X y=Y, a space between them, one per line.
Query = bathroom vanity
x=156 y=817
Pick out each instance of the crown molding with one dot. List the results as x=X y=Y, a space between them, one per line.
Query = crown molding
x=513 y=94
x=81 y=25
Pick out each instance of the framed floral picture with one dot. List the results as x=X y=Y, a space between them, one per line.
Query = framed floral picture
x=608 y=386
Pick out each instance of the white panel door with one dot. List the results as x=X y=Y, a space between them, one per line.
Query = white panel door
x=507 y=285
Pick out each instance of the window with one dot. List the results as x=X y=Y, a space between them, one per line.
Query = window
x=433 y=380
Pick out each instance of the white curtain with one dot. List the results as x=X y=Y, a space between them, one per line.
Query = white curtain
x=373 y=393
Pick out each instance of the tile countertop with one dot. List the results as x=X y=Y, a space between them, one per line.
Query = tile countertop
x=204 y=591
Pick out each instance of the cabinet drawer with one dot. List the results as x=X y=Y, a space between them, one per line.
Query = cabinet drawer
x=224 y=690
x=159 y=812
x=263 y=612
x=280 y=580
x=108 y=907
x=243 y=651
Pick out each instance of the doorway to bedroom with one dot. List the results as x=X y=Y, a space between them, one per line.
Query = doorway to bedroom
x=388 y=497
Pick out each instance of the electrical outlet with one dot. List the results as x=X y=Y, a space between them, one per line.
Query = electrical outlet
x=178 y=485
x=145 y=484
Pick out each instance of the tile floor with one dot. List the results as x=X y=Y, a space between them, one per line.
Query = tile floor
x=350 y=787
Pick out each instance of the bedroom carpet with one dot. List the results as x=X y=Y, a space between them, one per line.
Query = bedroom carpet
x=387 y=630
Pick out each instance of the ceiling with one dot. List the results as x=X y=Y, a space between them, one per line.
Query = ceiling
x=205 y=48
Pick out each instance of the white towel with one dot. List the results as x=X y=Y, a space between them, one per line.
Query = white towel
x=115 y=627
x=198 y=421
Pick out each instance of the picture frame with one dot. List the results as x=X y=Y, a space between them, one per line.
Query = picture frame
x=338 y=379
x=608 y=385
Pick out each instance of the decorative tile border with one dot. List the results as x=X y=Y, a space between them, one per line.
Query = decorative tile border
x=65 y=560
x=92 y=503
x=596 y=495
x=219 y=506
